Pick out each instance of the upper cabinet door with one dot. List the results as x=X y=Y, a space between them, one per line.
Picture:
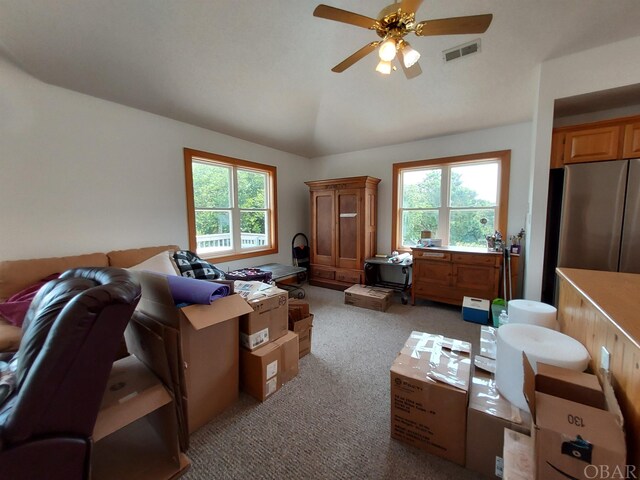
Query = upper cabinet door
x=349 y=229
x=592 y=145
x=323 y=214
x=631 y=141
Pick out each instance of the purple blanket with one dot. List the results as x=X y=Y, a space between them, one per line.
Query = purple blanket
x=191 y=290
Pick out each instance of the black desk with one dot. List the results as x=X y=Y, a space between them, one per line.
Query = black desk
x=373 y=277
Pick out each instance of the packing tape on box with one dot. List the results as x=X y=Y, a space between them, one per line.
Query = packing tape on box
x=541 y=345
x=533 y=313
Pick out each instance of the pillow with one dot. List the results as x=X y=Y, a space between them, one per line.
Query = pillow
x=16 y=306
x=192 y=266
x=160 y=263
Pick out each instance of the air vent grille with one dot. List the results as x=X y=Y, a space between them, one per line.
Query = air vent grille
x=461 y=50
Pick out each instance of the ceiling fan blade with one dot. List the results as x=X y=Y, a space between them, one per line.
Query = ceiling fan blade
x=410 y=6
x=413 y=71
x=454 y=25
x=360 y=54
x=332 y=13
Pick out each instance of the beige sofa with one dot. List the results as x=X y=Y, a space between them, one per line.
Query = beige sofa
x=16 y=275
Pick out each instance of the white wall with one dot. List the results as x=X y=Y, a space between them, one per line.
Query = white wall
x=79 y=174
x=379 y=162
x=603 y=68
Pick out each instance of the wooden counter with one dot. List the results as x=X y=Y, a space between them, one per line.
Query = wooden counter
x=603 y=309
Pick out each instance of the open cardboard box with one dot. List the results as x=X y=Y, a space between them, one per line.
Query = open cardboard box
x=577 y=424
x=194 y=350
x=136 y=431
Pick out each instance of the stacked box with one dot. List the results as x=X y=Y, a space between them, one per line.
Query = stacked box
x=429 y=392
x=488 y=415
x=301 y=322
x=268 y=321
x=265 y=370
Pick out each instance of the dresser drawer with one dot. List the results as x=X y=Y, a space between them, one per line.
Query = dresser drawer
x=442 y=256
x=319 y=272
x=487 y=259
x=350 y=276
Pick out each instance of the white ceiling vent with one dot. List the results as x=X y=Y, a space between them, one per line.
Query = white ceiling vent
x=461 y=50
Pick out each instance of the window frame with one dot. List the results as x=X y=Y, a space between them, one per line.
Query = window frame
x=502 y=207
x=191 y=155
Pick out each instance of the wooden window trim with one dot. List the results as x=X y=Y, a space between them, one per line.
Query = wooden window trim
x=503 y=156
x=189 y=154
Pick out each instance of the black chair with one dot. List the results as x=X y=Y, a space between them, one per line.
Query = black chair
x=71 y=336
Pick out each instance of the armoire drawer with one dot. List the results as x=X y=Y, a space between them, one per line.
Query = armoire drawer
x=348 y=276
x=326 y=273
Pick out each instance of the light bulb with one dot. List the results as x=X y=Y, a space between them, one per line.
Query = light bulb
x=384 y=67
x=409 y=56
x=387 y=50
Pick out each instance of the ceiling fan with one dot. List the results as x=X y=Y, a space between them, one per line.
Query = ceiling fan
x=394 y=22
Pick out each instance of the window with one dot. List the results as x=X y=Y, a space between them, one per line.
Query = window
x=231 y=206
x=460 y=199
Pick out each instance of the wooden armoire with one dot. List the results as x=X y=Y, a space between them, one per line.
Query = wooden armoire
x=343 y=230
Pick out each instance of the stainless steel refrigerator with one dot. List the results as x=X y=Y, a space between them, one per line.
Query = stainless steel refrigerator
x=600 y=219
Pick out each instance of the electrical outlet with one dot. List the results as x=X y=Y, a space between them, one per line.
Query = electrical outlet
x=605 y=359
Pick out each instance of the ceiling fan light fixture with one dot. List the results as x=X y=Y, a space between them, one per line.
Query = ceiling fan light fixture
x=384 y=67
x=409 y=56
x=387 y=50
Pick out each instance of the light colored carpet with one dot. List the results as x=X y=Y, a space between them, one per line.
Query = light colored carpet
x=332 y=420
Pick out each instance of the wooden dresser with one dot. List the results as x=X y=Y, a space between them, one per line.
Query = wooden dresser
x=602 y=309
x=447 y=274
x=343 y=230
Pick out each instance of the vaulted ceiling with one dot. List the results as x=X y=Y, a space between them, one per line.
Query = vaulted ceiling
x=260 y=70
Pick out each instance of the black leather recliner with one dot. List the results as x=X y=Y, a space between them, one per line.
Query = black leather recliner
x=71 y=336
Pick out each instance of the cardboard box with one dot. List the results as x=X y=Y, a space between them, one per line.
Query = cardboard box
x=265 y=370
x=374 y=298
x=573 y=439
x=298 y=309
x=194 y=350
x=488 y=415
x=429 y=393
x=303 y=328
x=136 y=431
x=268 y=321
x=518 y=456
x=475 y=310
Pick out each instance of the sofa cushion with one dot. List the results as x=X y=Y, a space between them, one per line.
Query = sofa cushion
x=134 y=256
x=15 y=275
x=161 y=263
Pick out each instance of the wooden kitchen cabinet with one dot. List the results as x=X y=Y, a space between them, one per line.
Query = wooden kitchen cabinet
x=598 y=141
x=631 y=148
x=343 y=230
x=448 y=274
x=594 y=144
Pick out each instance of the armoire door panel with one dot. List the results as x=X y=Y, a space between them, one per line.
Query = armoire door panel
x=324 y=245
x=348 y=228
